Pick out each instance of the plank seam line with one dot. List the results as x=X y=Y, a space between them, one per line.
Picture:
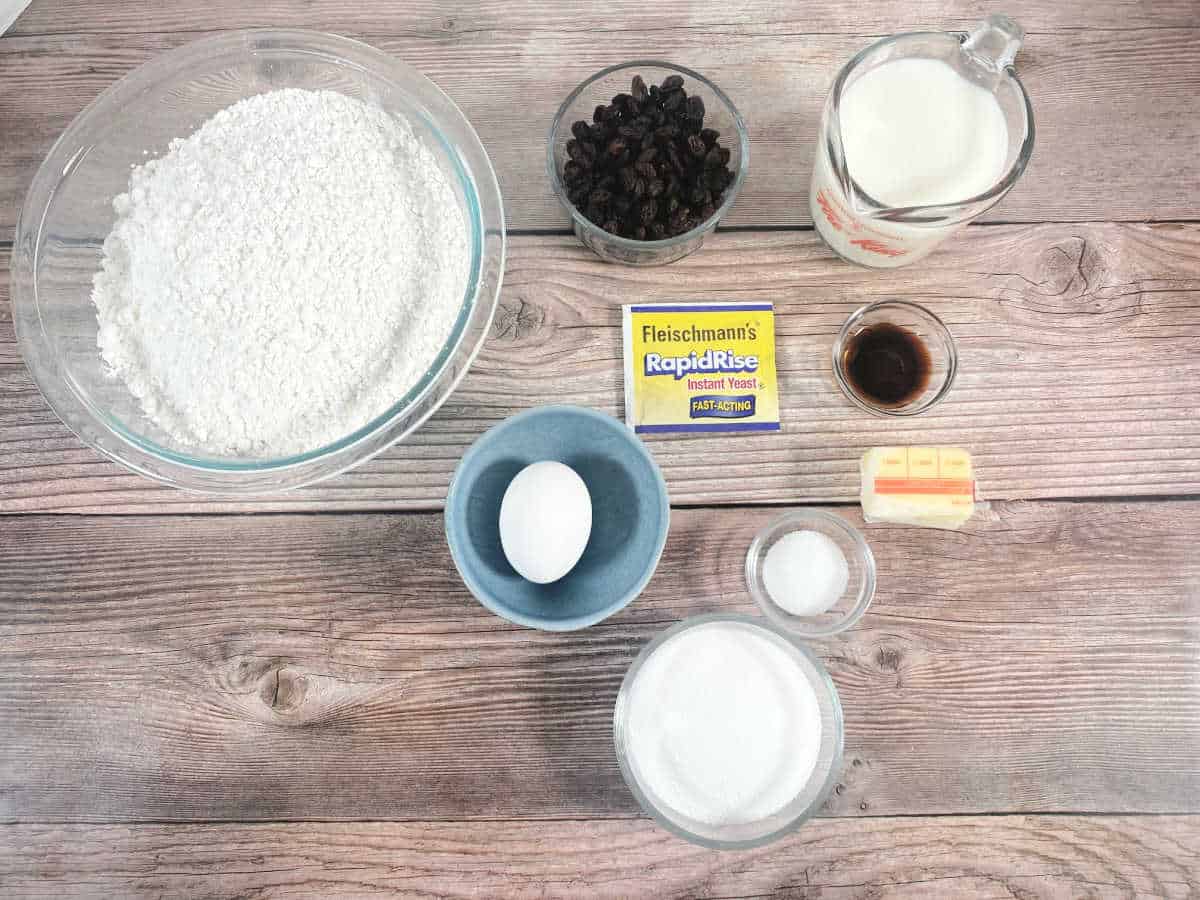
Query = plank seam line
x=438 y=510
x=7 y=245
x=739 y=28
x=188 y=823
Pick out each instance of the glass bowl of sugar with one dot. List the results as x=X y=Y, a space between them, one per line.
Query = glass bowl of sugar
x=811 y=572
x=728 y=731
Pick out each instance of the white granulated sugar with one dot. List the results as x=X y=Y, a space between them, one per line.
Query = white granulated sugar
x=806 y=572
x=724 y=726
x=281 y=276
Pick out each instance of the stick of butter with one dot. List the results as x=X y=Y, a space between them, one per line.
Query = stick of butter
x=932 y=487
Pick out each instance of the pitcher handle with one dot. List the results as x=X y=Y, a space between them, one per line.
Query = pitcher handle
x=994 y=42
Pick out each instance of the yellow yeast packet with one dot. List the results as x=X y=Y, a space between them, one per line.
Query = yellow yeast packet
x=700 y=367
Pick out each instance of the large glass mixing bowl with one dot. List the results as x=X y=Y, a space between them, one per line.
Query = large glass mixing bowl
x=68 y=213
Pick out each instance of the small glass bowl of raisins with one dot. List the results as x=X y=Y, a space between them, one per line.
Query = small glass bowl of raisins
x=647 y=157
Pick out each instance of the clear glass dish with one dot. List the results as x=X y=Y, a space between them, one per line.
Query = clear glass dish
x=720 y=113
x=860 y=588
x=931 y=332
x=68 y=213
x=801 y=808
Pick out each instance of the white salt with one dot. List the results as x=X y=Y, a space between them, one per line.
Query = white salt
x=724 y=726
x=805 y=572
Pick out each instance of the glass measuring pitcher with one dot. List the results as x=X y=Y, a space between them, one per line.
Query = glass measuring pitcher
x=896 y=228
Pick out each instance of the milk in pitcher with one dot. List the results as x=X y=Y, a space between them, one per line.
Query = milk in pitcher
x=923 y=147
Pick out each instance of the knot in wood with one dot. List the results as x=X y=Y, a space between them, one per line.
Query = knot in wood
x=283 y=690
x=515 y=321
x=888 y=659
x=1071 y=269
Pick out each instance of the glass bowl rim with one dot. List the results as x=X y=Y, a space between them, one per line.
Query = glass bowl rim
x=249 y=42
x=921 y=312
x=581 y=221
x=823 y=682
x=796 y=520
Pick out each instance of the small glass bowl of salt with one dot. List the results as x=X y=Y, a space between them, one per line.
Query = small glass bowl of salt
x=811 y=572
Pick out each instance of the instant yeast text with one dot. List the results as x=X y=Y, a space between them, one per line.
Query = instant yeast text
x=700 y=367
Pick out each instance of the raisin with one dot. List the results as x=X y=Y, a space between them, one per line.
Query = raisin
x=573 y=172
x=646 y=167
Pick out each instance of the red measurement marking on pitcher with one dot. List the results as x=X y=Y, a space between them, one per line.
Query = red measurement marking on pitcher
x=873 y=246
x=827 y=208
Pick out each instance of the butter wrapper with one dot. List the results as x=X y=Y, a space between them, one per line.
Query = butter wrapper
x=933 y=487
x=700 y=367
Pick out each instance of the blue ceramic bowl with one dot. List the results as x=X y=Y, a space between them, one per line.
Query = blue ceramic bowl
x=630 y=516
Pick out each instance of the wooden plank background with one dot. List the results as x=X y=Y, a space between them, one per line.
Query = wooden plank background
x=307 y=701
x=509 y=65
x=911 y=857
x=217 y=668
x=1073 y=340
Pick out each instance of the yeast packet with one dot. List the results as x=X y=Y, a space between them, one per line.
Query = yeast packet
x=700 y=367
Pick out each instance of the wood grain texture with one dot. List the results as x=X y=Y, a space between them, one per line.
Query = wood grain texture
x=333 y=667
x=1078 y=375
x=1027 y=857
x=1116 y=88
x=442 y=17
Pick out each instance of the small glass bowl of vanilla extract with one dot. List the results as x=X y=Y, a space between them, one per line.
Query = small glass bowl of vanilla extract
x=894 y=358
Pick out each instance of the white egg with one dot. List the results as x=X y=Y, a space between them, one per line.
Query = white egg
x=545 y=521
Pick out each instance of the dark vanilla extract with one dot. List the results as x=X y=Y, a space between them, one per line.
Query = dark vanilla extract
x=887 y=364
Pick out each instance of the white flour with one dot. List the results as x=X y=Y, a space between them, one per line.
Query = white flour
x=281 y=276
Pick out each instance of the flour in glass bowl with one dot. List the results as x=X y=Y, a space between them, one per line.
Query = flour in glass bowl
x=282 y=276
